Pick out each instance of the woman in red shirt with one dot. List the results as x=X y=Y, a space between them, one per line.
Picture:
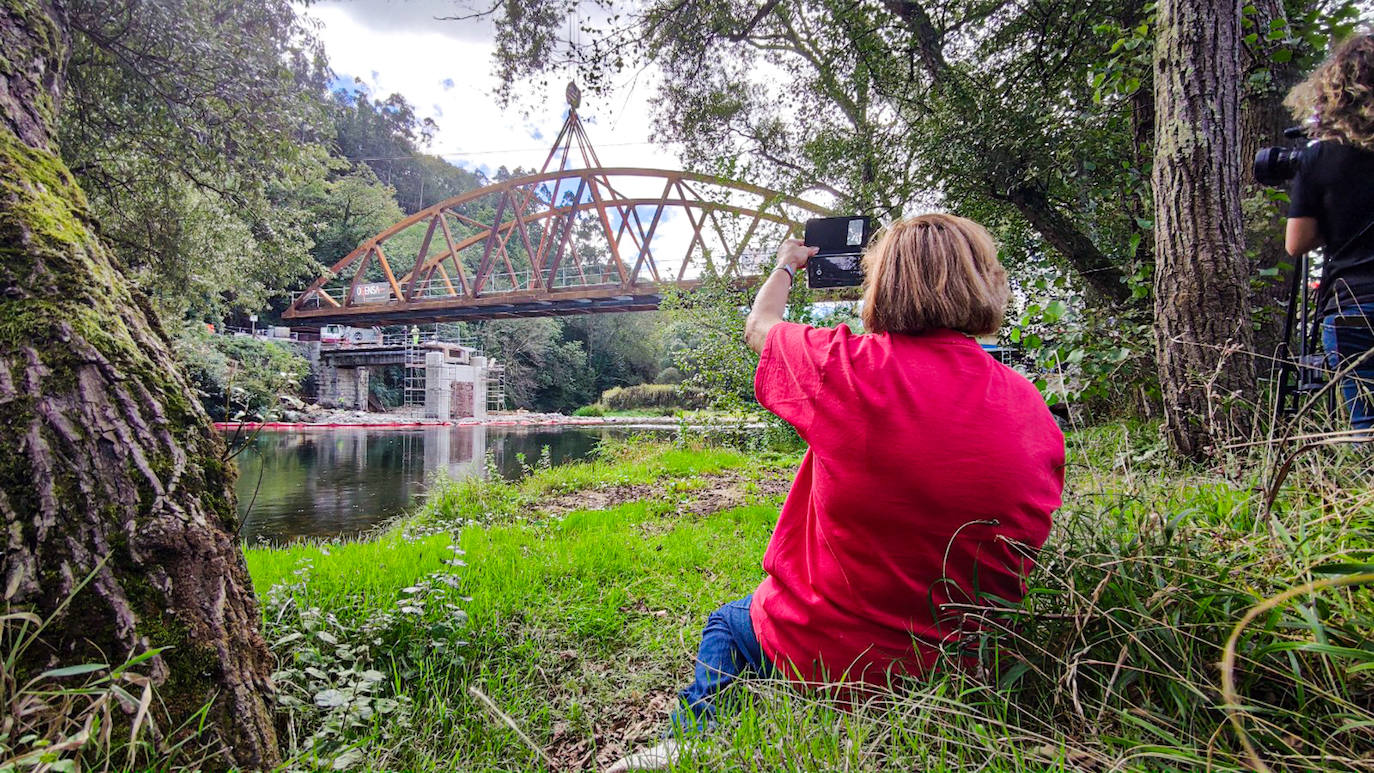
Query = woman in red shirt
x=930 y=477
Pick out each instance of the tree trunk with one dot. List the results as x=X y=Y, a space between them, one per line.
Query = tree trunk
x=111 y=470
x=1202 y=322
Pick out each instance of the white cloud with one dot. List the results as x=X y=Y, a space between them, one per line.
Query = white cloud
x=444 y=69
x=447 y=75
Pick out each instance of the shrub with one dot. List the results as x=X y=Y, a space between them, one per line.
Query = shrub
x=669 y=396
x=238 y=375
x=590 y=410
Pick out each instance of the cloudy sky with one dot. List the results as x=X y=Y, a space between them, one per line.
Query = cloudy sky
x=444 y=69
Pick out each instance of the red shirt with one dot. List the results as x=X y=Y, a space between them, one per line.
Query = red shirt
x=930 y=478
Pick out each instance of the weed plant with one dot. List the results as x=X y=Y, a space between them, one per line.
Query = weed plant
x=667 y=397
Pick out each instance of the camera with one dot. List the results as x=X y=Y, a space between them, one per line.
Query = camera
x=839 y=260
x=1276 y=165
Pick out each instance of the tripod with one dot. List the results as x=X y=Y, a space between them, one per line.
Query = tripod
x=1304 y=372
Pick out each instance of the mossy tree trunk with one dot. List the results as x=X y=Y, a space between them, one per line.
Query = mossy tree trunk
x=1202 y=321
x=110 y=468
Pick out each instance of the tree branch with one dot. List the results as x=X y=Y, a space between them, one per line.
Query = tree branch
x=754 y=22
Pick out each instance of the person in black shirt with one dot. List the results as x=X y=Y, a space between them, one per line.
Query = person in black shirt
x=1331 y=205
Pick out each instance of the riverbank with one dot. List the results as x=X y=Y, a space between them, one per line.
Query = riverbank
x=545 y=623
x=334 y=419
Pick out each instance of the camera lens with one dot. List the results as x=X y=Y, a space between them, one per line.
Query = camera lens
x=1276 y=166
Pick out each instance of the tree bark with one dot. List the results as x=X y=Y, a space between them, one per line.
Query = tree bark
x=1202 y=323
x=111 y=474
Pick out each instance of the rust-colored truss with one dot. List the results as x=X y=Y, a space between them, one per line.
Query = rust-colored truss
x=568 y=240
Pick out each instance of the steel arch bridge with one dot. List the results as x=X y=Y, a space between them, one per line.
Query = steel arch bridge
x=568 y=240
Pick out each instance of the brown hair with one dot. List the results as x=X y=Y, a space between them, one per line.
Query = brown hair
x=934 y=271
x=1339 y=94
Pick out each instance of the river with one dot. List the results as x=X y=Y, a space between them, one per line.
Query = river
x=343 y=481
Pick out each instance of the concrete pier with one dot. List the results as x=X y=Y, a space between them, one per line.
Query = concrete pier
x=454 y=377
x=455 y=388
x=344 y=387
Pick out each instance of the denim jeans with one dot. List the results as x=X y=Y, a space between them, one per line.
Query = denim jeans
x=1345 y=343
x=728 y=650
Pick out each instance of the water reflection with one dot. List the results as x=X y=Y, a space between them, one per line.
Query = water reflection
x=325 y=483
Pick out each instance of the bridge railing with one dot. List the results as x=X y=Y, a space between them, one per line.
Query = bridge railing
x=380 y=293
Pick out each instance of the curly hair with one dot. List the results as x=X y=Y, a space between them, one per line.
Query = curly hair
x=1339 y=95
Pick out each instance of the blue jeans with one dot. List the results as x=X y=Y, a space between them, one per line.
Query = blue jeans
x=1345 y=343
x=728 y=650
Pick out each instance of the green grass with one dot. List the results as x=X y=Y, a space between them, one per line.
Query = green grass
x=546 y=604
x=579 y=628
x=604 y=606
x=351 y=577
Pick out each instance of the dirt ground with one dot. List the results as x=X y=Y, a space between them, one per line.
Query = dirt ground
x=718 y=492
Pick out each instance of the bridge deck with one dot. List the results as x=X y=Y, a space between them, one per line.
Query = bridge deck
x=505 y=307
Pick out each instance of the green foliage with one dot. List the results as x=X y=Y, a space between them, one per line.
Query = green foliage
x=189 y=126
x=239 y=376
x=590 y=410
x=708 y=326
x=205 y=138
x=393 y=612
x=1078 y=353
x=1128 y=65
x=347 y=207
x=560 y=364
x=193 y=252
x=387 y=385
x=385 y=135
x=622 y=349
x=705 y=338
x=667 y=397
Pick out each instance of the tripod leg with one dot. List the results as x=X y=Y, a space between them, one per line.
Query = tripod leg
x=1286 y=402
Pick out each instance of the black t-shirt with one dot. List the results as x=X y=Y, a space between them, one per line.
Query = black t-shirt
x=1335 y=185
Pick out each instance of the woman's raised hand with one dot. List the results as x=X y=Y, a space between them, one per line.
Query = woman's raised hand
x=794 y=254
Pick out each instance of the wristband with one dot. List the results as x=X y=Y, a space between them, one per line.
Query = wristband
x=791 y=272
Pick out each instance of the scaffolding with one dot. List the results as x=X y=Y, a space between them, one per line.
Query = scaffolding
x=413 y=384
x=413 y=346
x=496 y=386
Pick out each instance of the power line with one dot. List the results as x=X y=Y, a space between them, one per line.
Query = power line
x=448 y=154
